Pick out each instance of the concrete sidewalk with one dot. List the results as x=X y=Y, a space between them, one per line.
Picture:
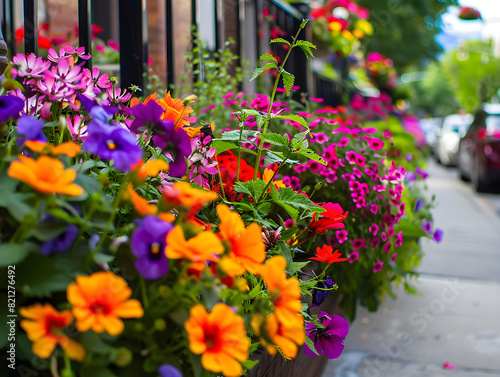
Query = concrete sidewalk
x=456 y=319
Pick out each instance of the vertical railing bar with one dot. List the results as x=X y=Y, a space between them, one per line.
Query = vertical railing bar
x=4 y=18
x=31 y=26
x=84 y=29
x=169 y=39
x=194 y=29
x=11 y=32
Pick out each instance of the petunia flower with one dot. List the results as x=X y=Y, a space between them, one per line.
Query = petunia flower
x=112 y=143
x=220 y=337
x=148 y=243
x=100 y=300
x=438 y=235
x=31 y=129
x=353 y=257
x=393 y=258
x=378 y=266
x=321 y=294
x=427 y=227
x=167 y=370
x=341 y=236
x=247 y=248
x=327 y=255
x=10 y=107
x=177 y=143
x=147 y=117
x=44 y=326
x=328 y=338
x=45 y=174
x=60 y=243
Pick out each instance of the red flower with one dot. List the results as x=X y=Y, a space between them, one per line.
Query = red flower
x=228 y=165
x=331 y=219
x=326 y=254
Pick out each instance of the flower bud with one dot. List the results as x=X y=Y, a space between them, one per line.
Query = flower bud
x=160 y=324
x=190 y=100
x=123 y=357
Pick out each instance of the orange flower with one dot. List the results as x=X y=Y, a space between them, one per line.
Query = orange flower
x=140 y=204
x=45 y=174
x=173 y=108
x=199 y=248
x=220 y=337
x=268 y=175
x=151 y=168
x=286 y=336
x=182 y=194
x=99 y=300
x=247 y=249
x=69 y=149
x=44 y=326
x=285 y=293
x=326 y=254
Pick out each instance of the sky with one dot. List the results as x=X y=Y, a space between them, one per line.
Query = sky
x=456 y=30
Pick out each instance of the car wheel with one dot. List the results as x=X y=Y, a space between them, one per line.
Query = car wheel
x=480 y=184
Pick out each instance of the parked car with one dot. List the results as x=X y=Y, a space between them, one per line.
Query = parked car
x=431 y=128
x=455 y=127
x=479 y=150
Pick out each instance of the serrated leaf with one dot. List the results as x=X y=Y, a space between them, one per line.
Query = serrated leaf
x=235 y=135
x=280 y=40
x=274 y=139
x=296 y=266
x=222 y=146
x=255 y=188
x=309 y=153
x=304 y=23
x=310 y=344
x=295 y=118
x=268 y=57
x=258 y=71
x=306 y=47
x=288 y=80
x=298 y=140
x=288 y=196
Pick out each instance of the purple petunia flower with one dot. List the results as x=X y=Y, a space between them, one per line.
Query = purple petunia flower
x=328 y=339
x=112 y=143
x=320 y=295
x=147 y=117
x=427 y=227
x=148 y=244
x=438 y=235
x=418 y=204
x=60 y=243
x=31 y=129
x=167 y=370
x=177 y=143
x=422 y=173
x=10 y=106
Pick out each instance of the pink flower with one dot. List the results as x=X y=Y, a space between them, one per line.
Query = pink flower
x=343 y=142
x=387 y=135
x=315 y=99
x=289 y=223
x=116 y=95
x=228 y=95
x=390 y=231
x=113 y=45
x=393 y=258
x=378 y=266
x=387 y=247
x=449 y=366
x=374 y=208
x=351 y=157
x=373 y=229
x=30 y=65
x=100 y=48
x=375 y=242
x=341 y=236
x=375 y=144
x=360 y=160
x=353 y=257
x=384 y=236
x=207 y=108
x=399 y=240
x=358 y=243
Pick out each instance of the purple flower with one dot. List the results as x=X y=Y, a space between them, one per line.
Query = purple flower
x=60 y=243
x=378 y=266
x=418 y=204
x=147 y=117
x=102 y=113
x=438 y=235
x=422 y=173
x=148 y=244
x=10 y=106
x=177 y=143
x=167 y=370
x=320 y=295
x=427 y=227
x=329 y=338
x=31 y=129
x=112 y=143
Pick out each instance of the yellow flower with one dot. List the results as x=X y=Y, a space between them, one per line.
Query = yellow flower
x=68 y=149
x=44 y=326
x=45 y=174
x=100 y=300
x=220 y=337
x=247 y=249
x=199 y=248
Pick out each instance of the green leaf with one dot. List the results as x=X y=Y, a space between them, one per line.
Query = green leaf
x=54 y=123
x=235 y=135
x=295 y=118
x=297 y=140
x=306 y=47
x=268 y=57
x=249 y=364
x=47 y=230
x=410 y=229
x=310 y=344
x=258 y=71
x=16 y=205
x=309 y=153
x=222 y=146
x=288 y=196
x=280 y=40
x=255 y=188
x=13 y=253
x=288 y=80
x=296 y=266
x=274 y=139
x=304 y=23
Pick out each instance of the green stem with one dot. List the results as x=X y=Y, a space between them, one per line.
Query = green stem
x=273 y=95
x=239 y=154
x=264 y=193
x=144 y=293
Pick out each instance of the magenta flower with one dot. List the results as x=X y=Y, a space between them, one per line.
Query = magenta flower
x=116 y=95
x=112 y=143
x=289 y=223
x=427 y=227
x=422 y=173
x=328 y=338
x=375 y=144
x=378 y=266
x=30 y=65
x=375 y=242
x=387 y=247
x=113 y=45
x=374 y=208
x=148 y=244
x=351 y=157
x=64 y=73
x=399 y=240
x=373 y=229
x=341 y=235
x=390 y=231
x=383 y=236
x=438 y=235
x=353 y=257
x=393 y=258
x=358 y=243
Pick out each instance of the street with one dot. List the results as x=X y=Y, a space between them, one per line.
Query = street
x=452 y=328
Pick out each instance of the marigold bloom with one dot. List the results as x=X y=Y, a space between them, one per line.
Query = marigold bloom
x=220 y=337
x=247 y=248
x=286 y=336
x=201 y=247
x=285 y=293
x=68 y=149
x=326 y=254
x=99 y=300
x=44 y=326
x=45 y=174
